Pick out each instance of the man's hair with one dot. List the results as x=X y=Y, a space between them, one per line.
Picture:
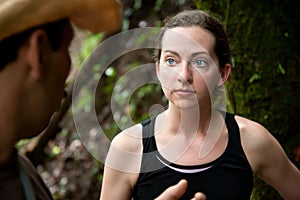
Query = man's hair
x=10 y=46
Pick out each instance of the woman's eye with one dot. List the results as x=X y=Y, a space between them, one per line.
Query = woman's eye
x=200 y=63
x=170 y=61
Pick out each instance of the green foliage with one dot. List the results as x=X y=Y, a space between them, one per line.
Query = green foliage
x=22 y=143
x=261 y=191
x=263 y=84
x=90 y=42
x=142 y=100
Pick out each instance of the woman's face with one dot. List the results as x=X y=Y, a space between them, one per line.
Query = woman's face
x=188 y=68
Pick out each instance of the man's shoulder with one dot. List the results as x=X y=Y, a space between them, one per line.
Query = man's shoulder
x=40 y=188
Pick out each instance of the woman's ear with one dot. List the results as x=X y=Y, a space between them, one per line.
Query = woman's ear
x=225 y=72
x=36 y=47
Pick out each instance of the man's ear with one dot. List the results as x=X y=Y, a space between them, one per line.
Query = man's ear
x=36 y=51
x=225 y=72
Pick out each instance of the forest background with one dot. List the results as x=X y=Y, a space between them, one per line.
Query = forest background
x=264 y=86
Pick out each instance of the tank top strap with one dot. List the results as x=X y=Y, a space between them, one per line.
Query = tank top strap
x=233 y=130
x=235 y=143
x=232 y=124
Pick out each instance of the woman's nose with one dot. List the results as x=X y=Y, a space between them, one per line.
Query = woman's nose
x=185 y=73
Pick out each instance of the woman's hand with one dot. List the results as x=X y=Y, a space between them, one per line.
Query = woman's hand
x=176 y=191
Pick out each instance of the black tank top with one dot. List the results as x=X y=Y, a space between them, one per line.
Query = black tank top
x=229 y=177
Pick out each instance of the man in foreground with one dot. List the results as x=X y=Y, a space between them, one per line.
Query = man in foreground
x=34 y=64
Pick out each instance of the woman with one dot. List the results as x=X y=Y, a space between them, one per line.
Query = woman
x=216 y=152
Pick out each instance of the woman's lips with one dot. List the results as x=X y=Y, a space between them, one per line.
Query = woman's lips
x=184 y=92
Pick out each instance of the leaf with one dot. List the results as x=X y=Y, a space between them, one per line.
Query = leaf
x=281 y=69
x=254 y=78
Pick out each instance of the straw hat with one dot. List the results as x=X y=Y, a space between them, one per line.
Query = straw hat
x=93 y=15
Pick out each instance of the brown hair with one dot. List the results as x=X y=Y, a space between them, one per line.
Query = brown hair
x=9 y=47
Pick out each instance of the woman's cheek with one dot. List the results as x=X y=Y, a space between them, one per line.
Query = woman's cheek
x=167 y=77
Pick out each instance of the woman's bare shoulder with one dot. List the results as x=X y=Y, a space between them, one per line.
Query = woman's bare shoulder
x=258 y=143
x=129 y=139
x=250 y=128
x=124 y=155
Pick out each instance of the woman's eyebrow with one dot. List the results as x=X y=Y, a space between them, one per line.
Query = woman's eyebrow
x=170 y=51
x=199 y=53
x=192 y=55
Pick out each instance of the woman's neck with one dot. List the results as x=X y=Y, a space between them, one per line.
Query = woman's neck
x=188 y=120
x=189 y=128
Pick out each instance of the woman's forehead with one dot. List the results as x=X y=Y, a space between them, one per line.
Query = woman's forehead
x=189 y=40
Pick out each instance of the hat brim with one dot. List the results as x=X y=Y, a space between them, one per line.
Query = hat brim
x=93 y=15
